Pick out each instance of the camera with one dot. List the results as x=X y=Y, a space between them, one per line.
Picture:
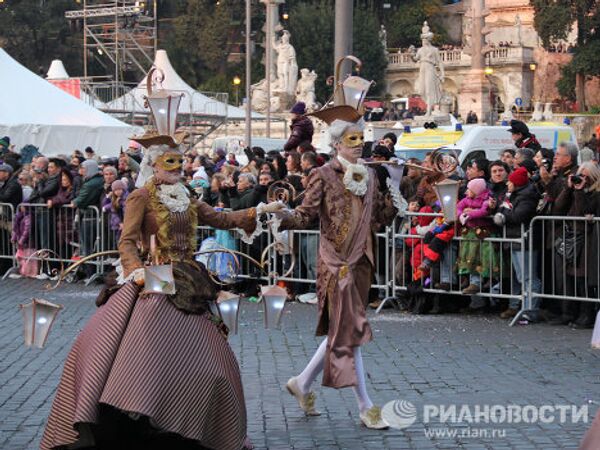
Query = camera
x=576 y=179
x=547 y=163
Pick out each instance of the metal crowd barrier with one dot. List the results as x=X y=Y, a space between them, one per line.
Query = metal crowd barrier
x=555 y=258
x=8 y=250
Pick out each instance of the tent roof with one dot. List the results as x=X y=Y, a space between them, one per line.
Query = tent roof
x=193 y=101
x=33 y=100
x=41 y=114
x=57 y=71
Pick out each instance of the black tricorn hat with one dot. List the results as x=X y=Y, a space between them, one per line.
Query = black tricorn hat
x=516 y=126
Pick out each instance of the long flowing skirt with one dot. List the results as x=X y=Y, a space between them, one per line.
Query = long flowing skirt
x=146 y=358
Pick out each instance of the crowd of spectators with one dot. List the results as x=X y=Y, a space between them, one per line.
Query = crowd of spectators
x=497 y=198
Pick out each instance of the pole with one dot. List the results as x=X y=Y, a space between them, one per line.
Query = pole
x=268 y=57
x=155 y=26
x=248 y=75
x=85 y=40
x=343 y=37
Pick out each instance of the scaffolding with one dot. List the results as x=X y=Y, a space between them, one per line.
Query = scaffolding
x=121 y=35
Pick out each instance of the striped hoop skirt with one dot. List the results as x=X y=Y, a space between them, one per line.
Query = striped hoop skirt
x=147 y=358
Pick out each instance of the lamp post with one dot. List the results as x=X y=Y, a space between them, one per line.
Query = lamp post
x=236 y=82
x=248 y=75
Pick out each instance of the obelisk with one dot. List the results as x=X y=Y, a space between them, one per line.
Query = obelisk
x=474 y=94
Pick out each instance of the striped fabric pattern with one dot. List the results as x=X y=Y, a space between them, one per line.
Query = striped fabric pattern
x=145 y=356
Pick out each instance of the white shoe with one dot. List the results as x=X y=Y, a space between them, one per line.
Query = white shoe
x=306 y=401
x=15 y=276
x=310 y=298
x=42 y=276
x=371 y=418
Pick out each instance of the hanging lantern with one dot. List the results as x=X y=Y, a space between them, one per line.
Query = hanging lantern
x=228 y=305
x=158 y=279
x=38 y=317
x=447 y=193
x=274 y=302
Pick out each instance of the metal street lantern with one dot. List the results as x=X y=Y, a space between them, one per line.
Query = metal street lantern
x=38 y=317
x=447 y=193
x=274 y=302
x=228 y=306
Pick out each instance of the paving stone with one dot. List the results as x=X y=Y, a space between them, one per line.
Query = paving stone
x=434 y=360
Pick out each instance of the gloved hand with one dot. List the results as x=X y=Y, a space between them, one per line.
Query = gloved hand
x=272 y=207
x=499 y=219
x=463 y=218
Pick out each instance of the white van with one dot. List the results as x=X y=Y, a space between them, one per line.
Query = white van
x=476 y=141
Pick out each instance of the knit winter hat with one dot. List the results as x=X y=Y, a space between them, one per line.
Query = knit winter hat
x=6 y=168
x=118 y=184
x=299 y=108
x=519 y=177
x=477 y=186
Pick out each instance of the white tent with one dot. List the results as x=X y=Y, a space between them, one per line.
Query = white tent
x=192 y=102
x=57 y=72
x=36 y=112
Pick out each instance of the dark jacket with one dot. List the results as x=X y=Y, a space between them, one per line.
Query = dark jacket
x=524 y=201
x=553 y=190
x=90 y=193
x=11 y=191
x=302 y=130
x=243 y=200
x=529 y=141
x=46 y=189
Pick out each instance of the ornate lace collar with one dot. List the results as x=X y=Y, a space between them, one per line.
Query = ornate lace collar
x=356 y=177
x=174 y=196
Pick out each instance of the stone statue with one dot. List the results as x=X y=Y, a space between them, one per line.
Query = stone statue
x=287 y=67
x=260 y=99
x=538 y=113
x=518 y=26
x=548 y=114
x=431 y=71
x=305 y=89
x=383 y=38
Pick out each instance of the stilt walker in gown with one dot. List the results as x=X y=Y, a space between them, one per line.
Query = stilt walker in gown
x=151 y=370
x=347 y=199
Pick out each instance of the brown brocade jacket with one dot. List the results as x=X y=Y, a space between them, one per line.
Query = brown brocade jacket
x=348 y=224
x=141 y=222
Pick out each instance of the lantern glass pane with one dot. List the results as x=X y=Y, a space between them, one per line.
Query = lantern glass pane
x=355 y=89
x=27 y=311
x=274 y=301
x=228 y=310
x=164 y=106
x=447 y=192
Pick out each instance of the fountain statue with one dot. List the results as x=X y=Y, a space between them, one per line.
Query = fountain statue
x=305 y=89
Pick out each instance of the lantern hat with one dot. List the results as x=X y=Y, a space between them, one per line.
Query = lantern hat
x=163 y=105
x=348 y=97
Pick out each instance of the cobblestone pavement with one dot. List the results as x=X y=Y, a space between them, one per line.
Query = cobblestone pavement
x=433 y=360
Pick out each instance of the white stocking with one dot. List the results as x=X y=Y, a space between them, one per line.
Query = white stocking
x=360 y=390
x=313 y=369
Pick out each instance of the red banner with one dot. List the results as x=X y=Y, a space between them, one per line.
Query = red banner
x=71 y=86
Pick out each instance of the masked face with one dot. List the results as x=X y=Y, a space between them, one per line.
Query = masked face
x=170 y=161
x=351 y=146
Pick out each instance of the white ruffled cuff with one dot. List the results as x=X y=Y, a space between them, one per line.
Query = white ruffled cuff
x=281 y=237
x=137 y=274
x=399 y=202
x=249 y=238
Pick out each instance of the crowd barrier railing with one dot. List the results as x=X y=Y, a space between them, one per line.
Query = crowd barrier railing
x=555 y=258
x=8 y=261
